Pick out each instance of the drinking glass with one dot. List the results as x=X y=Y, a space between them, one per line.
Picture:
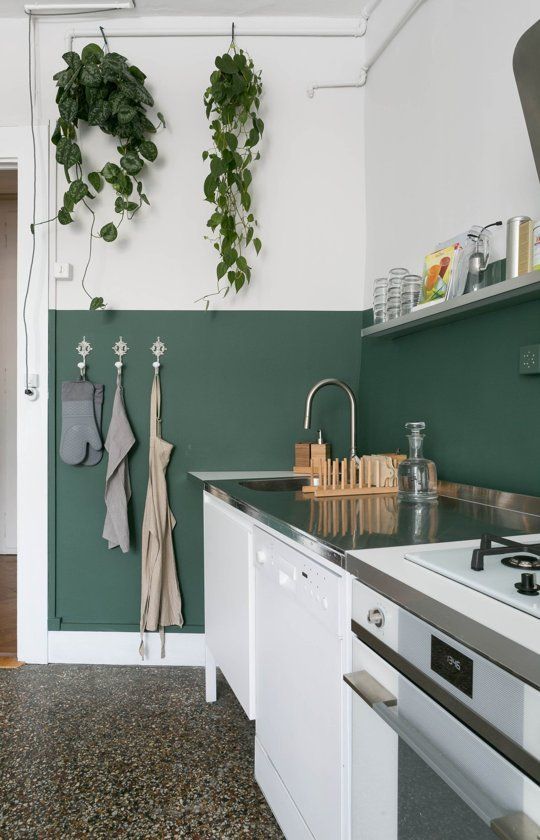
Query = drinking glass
x=410 y=292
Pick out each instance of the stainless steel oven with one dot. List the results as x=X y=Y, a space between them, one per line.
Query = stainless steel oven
x=445 y=744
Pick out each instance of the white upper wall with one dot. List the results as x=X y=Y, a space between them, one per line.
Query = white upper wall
x=308 y=187
x=446 y=142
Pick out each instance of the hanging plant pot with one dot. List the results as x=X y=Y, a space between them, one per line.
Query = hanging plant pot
x=103 y=90
x=232 y=102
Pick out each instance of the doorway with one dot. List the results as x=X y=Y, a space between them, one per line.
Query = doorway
x=8 y=412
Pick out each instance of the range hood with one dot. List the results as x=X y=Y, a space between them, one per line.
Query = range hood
x=527 y=72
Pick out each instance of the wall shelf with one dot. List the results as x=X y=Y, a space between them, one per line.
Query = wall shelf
x=506 y=293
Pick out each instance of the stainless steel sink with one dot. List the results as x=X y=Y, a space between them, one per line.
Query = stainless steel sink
x=275 y=484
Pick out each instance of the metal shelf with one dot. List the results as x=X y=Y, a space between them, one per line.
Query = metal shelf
x=506 y=293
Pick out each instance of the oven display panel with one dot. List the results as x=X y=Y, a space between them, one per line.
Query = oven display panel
x=452 y=665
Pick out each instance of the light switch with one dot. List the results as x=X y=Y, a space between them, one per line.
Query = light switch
x=529 y=358
x=62 y=271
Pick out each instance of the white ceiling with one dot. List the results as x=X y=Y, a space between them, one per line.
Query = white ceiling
x=219 y=8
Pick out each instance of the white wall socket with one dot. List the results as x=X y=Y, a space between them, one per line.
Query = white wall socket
x=62 y=271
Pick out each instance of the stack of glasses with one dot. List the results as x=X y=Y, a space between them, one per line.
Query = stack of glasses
x=393 y=296
x=379 y=300
x=410 y=292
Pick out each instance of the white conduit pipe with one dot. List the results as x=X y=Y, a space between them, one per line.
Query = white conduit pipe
x=362 y=79
x=355 y=31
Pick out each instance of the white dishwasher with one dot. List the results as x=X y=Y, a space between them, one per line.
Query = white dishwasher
x=300 y=659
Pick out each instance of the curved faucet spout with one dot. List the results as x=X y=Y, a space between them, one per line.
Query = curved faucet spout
x=352 y=400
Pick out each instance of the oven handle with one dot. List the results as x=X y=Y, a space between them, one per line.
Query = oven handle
x=516 y=826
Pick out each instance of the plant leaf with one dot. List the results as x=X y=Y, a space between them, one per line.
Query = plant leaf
x=67 y=152
x=258 y=245
x=64 y=217
x=90 y=75
x=78 y=190
x=148 y=150
x=111 y=172
x=131 y=163
x=97 y=303
x=96 y=181
x=109 y=232
x=91 y=53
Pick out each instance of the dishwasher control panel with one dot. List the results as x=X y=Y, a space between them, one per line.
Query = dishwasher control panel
x=319 y=589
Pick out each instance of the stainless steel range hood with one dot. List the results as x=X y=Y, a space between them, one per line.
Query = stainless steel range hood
x=527 y=72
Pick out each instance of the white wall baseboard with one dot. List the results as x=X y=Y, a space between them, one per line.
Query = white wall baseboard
x=106 y=648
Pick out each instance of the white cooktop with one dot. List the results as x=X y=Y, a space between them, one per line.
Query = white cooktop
x=495 y=580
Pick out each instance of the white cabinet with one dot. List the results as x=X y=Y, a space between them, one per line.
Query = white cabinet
x=229 y=601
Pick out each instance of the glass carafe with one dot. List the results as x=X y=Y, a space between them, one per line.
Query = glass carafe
x=417 y=476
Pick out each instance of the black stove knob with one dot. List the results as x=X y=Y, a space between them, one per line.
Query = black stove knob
x=527 y=585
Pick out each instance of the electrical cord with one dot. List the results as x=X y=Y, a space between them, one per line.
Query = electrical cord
x=27 y=390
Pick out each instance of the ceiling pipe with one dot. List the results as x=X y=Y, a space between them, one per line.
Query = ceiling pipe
x=69 y=8
x=220 y=31
x=362 y=79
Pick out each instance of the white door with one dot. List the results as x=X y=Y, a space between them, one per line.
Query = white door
x=229 y=597
x=8 y=372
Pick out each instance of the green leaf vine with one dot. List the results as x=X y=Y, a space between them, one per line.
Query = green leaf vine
x=232 y=101
x=103 y=90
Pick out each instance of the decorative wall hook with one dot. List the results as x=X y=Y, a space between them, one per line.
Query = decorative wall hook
x=83 y=349
x=158 y=349
x=232 y=32
x=120 y=349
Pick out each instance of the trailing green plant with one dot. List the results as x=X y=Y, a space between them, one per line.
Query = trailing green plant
x=102 y=89
x=232 y=101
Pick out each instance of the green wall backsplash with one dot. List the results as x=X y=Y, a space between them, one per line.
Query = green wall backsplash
x=234 y=386
x=462 y=379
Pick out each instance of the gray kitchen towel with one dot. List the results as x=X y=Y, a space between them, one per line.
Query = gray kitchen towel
x=119 y=441
x=79 y=429
x=94 y=456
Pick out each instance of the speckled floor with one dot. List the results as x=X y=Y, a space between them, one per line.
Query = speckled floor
x=110 y=752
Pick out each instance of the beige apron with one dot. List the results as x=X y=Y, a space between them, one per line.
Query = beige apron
x=161 y=604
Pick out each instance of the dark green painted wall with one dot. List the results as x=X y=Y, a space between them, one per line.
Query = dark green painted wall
x=234 y=386
x=461 y=378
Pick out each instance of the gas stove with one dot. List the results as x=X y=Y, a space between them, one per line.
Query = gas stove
x=504 y=569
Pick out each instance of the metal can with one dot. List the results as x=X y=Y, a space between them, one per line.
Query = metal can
x=516 y=229
x=536 y=246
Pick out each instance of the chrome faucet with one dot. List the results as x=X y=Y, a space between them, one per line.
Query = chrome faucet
x=345 y=387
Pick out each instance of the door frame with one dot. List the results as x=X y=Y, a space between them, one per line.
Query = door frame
x=32 y=423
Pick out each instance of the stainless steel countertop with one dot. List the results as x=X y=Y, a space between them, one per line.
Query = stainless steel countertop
x=334 y=527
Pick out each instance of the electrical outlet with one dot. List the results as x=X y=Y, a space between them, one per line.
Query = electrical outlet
x=62 y=271
x=529 y=359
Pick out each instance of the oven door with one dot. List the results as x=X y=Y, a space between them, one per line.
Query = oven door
x=420 y=774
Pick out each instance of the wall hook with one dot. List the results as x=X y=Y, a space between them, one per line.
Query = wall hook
x=158 y=349
x=83 y=349
x=120 y=349
x=232 y=33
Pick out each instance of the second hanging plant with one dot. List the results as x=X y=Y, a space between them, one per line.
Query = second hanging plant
x=232 y=101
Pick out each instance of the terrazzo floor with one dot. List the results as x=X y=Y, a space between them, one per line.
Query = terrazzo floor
x=113 y=752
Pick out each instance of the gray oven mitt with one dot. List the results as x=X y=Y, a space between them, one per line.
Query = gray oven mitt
x=94 y=456
x=79 y=429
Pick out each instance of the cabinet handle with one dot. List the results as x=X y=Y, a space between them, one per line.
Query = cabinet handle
x=517 y=826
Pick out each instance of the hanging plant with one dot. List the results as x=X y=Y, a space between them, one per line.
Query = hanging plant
x=232 y=102
x=103 y=90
